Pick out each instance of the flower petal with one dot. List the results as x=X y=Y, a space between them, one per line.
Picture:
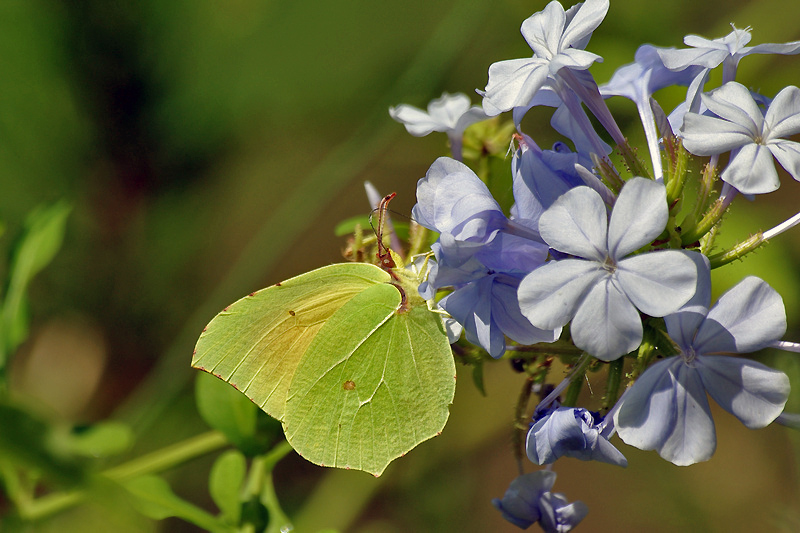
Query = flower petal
x=577 y=224
x=640 y=215
x=417 y=122
x=647 y=414
x=573 y=58
x=682 y=325
x=471 y=306
x=733 y=102
x=704 y=135
x=543 y=30
x=448 y=108
x=658 y=283
x=570 y=432
x=666 y=410
x=782 y=119
x=788 y=155
x=452 y=199
x=606 y=324
x=588 y=17
x=752 y=392
x=507 y=316
x=747 y=318
x=549 y=295
x=692 y=439
x=520 y=504
x=513 y=83
x=687 y=57
x=752 y=171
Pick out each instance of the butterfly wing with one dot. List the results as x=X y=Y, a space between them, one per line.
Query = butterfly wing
x=375 y=382
x=256 y=343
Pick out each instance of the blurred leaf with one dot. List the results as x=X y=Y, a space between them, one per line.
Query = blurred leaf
x=229 y=411
x=154 y=498
x=100 y=440
x=36 y=247
x=29 y=441
x=225 y=484
x=348 y=226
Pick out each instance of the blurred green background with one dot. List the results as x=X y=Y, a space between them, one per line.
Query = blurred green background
x=209 y=149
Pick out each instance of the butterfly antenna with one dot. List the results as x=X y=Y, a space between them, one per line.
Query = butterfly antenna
x=384 y=256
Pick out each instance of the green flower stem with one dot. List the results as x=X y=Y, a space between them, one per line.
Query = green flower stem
x=677 y=158
x=612 y=384
x=157 y=461
x=689 y=226
x=737 y=252
x=12 y=484
x=259 y=483
x=278 y=521
x=608 y=173
x=521 y=420
x=576 y=383
x=635 y=166
x=711 y=218
x=655 y=341
x=513 y=352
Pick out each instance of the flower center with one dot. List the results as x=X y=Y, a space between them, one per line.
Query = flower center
x=609 y=265
x=689 y=356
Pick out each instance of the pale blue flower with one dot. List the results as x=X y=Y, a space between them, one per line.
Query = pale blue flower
x=601 y=288
x=570 y=432
x=557 y=38
x=754 y=137
x=726 y=51
x=528 y=500
x=539 y=178
x=484 y=296
x=638 y=81
x=453 y=201
x=451 y=114
x=708 y=54
x=666 y=409
x=487 y=308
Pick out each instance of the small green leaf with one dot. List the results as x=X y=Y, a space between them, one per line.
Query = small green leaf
x=100 y=440
x=41 y=239
x=232 y=413
x=154 y=498
x=225 y=484
x=27 y=440
x=348 y=226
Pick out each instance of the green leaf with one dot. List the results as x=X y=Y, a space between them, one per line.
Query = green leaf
x=225 y=484
x=100 y=440
x=348 y=226
x=154 y=498
x=28 y=440
x=41 y=239
x=232 y=413
x=357 y=375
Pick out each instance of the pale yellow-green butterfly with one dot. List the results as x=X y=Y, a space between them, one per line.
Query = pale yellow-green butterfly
x=348 y=357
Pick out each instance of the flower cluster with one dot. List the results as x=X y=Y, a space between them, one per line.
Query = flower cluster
x=610 y=260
